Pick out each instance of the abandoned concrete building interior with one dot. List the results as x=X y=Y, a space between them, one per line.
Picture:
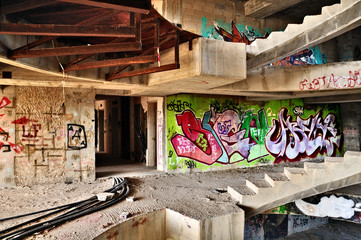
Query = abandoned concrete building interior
x=218 y=119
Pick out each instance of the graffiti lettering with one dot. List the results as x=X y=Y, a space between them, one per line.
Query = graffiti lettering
x=76 y=136
x=223 y=128
x=291 y=140
x=298 y=110
x=33 y=132
x=351 y=81
x=170 y=154
x=179 y=106
x=190 y=164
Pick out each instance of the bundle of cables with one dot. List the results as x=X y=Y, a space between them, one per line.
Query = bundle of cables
x=65 y=213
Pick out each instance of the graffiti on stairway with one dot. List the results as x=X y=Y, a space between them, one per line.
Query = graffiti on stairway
x=229 y=131
x=233 y=32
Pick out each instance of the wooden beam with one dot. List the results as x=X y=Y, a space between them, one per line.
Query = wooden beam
x=138 y=27
x=138 y=72
x=62 y=51
x=176 y=48
x=24 y=5
x=130 y=6
x=66 y=30
x=147 y=51
x=111 y=63
x=91 y=20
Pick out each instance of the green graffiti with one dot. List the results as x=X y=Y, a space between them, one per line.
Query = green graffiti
x=255 y=125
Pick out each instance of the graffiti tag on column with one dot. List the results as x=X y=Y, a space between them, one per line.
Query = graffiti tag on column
x=332 y=82
x=76 y=136
x=179 y=106
x=292 y=140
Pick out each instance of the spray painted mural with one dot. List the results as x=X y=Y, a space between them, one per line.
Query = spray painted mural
x=232 y=32
x=218 y=131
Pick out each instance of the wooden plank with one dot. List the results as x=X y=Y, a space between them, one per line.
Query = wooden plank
x=147 y=51
x=62 y=51
x=130 y=6
x=24 y=5
x=138 y=72
x=111 y=63
x=91 y=20
x=66 y=30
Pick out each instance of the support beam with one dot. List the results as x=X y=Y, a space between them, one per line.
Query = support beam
x=62 y=51
x=144 y=71
x=66 y=30
x=130 y=6
x=24 y=5
x=148 y=51
x=89 y=21
x=111 y=63
x=263 y=9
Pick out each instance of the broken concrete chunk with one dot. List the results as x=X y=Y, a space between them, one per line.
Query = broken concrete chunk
x=104 y=196
x=130 y=199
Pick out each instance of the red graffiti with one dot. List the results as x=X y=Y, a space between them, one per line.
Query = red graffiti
x=23 y=121
x=198 y=143
x=192 y=129
x=4 y=102
x=350 y=81
x=293 y=140
x=236 y=36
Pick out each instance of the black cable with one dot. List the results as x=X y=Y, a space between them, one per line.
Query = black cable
x=80 y=208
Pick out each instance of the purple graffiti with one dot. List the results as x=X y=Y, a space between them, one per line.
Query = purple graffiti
x=292 y=140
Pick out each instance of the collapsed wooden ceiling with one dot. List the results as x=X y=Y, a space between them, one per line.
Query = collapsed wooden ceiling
x=120 y=33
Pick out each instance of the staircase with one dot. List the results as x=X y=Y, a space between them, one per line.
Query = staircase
x=296 y=183
x=333 y=21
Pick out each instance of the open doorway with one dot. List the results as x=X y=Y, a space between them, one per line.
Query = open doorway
x=121 y=136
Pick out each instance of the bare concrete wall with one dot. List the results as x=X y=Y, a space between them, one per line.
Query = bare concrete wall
x=47 y=135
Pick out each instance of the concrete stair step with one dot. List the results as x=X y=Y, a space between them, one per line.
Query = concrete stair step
x=293 y=29
x=330 y=10
x=276 y=177
x=312 y=20
x=291 y=172
x=311 y=166
x=347 y=3
x=333 y=160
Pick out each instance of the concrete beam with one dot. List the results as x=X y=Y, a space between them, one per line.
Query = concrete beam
x=302 y=81
x=209 y=64
x=262 y=9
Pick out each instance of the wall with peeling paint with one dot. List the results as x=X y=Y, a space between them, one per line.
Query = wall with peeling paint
x=47 y=135
x=209 y=133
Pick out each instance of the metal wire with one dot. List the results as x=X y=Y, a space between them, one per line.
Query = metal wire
x=75 y=210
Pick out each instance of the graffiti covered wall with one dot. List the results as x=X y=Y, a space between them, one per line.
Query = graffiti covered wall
x=44 y=136
x=210 y=132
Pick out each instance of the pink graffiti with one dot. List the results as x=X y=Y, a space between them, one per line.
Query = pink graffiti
x=292 y=140
x=228 y=129
x=350 y=81
x=197 y=143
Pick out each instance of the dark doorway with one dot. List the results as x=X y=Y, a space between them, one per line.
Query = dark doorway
x=121 y=135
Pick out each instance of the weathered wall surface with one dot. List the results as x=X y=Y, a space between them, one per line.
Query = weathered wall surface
x=47 y=135
x=351 y=123
x=273 y=226
x=208 y=133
